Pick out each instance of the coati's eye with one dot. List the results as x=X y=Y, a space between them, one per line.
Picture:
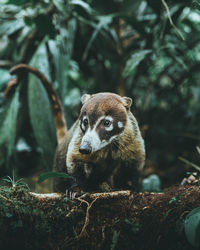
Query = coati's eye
x=106 y=123
x=85 y=121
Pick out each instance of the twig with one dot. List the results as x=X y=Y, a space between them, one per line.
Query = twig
x=89 y=205
x=189 y=163
x=3 y=197
x=198 y=149
x=170 y=20
x=12 y=82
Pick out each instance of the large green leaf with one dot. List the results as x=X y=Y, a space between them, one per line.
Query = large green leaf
x=9 y=125
x=40 y=110
x=85 y=6
x=8 y=10
x=103 y=22
x=10 y=27
x=61 y=6
x=133 y=62
x=5 y=77
x=192 y=227
x=41 y=120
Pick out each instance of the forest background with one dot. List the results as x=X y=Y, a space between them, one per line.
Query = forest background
x=148 y=50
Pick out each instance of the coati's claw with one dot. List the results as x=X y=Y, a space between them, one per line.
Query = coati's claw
x=74 y=192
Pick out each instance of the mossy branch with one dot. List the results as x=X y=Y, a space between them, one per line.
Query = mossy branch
x=95 y=221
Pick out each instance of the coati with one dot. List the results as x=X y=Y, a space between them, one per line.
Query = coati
x=104 y=144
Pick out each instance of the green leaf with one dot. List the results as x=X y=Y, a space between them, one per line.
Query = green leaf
x=134 y=61
x=19 y=2
x=41 y=120
x=192 y=227
x=196 y=4
x=103 y=22
x=9 y=125
x=40 y=110
x=10 y=27
x=61 y=6
x=83 y=5
x=114 y=240
x=48 y=175
x=135 y=227
x=5 y=77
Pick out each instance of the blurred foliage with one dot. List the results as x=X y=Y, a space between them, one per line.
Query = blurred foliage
x=192 y=227
x=123 y=46
x=45 y=176
x=151 y=184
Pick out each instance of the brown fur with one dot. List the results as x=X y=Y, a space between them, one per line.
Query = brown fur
x=110 y=160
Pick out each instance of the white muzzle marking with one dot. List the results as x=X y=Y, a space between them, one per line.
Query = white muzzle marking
x=92 y=138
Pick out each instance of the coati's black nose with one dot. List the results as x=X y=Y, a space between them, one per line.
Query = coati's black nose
x=85 y=149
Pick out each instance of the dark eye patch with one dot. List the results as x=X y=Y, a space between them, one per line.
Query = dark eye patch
x=84 y=123
x=106 y=134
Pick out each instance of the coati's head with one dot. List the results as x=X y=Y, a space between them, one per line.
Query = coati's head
x=102 y=119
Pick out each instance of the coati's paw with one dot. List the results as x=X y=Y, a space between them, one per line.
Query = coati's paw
x=74 y=192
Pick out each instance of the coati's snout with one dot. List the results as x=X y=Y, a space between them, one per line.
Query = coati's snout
x=85 y=148
x=91 y=142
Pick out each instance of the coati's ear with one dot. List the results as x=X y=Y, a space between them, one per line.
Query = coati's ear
x=85 y=98
x=127 y=101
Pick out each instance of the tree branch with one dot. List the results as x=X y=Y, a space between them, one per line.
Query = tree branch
x=33 y=38
x=95 y=221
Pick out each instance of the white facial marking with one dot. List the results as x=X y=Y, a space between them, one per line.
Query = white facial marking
x=98 y=121
x=110 y=128
x=120 y=124
x=91 y=137
x=108 y=117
